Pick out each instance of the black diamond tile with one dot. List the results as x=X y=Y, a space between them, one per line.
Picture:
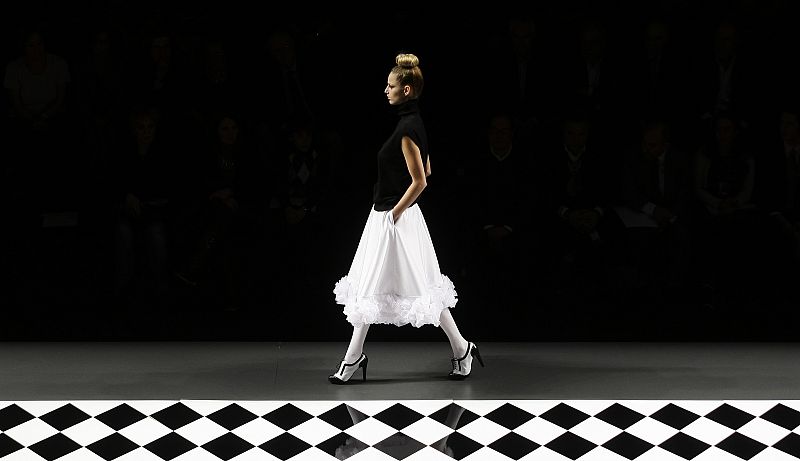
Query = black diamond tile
x=284 y=446
x=399 y=446
x=674 y=416
x=227 y=446
x=619 y=416
x=457 y=446
x=741 y=446
x=65 y=417
x=730 y=416
x=54 y=447
x=509 y=416
x=287 y=416
x=684 y=446
x=8 y=445
x=398 y=416
x=343 y=416
x=513 y=445
x=342 y=446
x=454 y=416
x=570 y=445
x=783 y=416
x=232 y=416
x=789 y=444
x=176 y=416
x=112 y=447
x=627 y=445
x=170 y=446
x=12 y=416
x=564 y=416
x=120 y=417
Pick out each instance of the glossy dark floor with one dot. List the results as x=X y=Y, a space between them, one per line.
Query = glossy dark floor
x=533 y=401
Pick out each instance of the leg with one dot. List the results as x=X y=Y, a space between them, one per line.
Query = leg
x=453 y=417
x=356 y=347
x=353 y=359
x=457 y=342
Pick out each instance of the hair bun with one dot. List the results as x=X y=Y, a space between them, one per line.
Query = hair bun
x=407 y=60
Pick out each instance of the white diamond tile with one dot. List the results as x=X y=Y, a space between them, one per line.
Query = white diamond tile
x=763 y=431
x=483 y=431
x=201 y=431
x=258 y=431
x=314 y=431
x=707 y=431
x=87 y=432
x=540 y=430
x=596 y=431
x=31 y=432
x=427 y=431
x=145 y=431
x=651 y=431
x=370 y=431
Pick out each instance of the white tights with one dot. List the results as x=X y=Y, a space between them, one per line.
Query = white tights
x=446 y=321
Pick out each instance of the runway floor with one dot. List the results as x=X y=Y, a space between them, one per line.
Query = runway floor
x=265 y=401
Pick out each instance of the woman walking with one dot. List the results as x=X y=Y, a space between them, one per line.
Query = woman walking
x=395 y=277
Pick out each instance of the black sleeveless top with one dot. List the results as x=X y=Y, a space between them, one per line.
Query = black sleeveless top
x=393 y=176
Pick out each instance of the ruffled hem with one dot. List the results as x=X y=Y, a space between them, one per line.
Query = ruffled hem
x=395 y=309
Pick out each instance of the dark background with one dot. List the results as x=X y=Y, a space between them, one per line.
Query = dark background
x=267 y=270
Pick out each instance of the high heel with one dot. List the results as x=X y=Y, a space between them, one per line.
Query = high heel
x=463 y=367
x=346 y=370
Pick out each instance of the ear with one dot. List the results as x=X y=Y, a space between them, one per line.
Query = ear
x=406 y=90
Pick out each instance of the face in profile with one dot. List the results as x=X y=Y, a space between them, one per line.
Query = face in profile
x=394 y=91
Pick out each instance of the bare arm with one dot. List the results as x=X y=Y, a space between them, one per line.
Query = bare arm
x=428 y=167
x=418 y=173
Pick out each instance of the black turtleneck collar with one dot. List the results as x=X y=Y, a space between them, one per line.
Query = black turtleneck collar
x=409 y=107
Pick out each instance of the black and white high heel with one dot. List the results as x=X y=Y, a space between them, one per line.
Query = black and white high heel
x=346 y=370
x=463 y=367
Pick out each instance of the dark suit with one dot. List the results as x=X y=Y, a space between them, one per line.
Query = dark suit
x=642 y=183
x=584 y=187
x=667 y=247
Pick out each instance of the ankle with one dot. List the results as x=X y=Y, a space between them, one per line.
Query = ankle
x=351 y=358
x=461 y=349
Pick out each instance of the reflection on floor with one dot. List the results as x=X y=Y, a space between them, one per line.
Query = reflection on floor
x=210 y=401
x=389 y=430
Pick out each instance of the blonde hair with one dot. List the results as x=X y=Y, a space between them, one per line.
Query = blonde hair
x=408 y=72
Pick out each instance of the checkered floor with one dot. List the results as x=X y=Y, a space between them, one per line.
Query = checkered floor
x=484 y=430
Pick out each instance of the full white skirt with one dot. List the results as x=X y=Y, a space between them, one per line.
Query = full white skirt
x=394 y=277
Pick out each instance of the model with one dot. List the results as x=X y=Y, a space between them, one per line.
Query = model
x=395 y=277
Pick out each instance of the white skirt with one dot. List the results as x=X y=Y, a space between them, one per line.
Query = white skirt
x=395 y=276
